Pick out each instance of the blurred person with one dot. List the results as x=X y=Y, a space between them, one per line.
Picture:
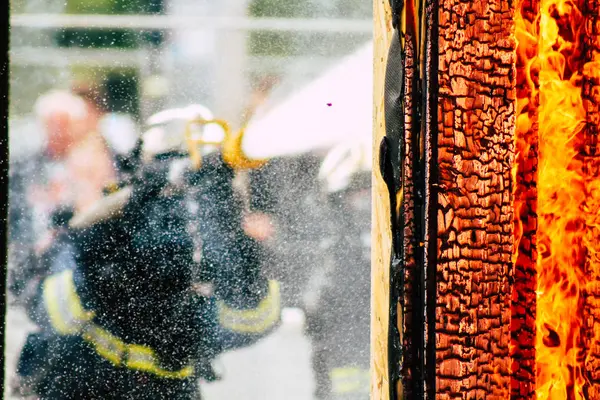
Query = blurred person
x=177 y=227
x=118 y=129
x=337 y=300
x=76 y=165
x=24 y=166
x=21 y=219
x=121 y=134
x=80 y=160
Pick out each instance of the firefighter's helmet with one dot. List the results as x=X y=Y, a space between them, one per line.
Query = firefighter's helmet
x=344 y=162
x=190 y=130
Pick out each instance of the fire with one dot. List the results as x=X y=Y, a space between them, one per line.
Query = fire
x=568 y=239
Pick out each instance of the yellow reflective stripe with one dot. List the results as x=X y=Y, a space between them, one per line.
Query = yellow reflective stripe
x=257 y=320
x=68 y=317
x=51 y=302
x=73 y=300
x=140 y=354
x=107 y=345
x=349 y=380
x=63 y=305
x=141 y=358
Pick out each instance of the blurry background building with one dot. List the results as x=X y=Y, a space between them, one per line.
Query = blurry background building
x=233 y=49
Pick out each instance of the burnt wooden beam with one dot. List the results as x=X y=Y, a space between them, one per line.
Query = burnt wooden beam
x=523 y=318
x=590 y=331
x=448 y=161
x=591 y=77
x=476 y=118
x=462 y=166
x=398 y=158
x=430 y=176
x=411 y=297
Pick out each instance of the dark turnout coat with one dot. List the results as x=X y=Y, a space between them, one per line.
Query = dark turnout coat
x=126 y=322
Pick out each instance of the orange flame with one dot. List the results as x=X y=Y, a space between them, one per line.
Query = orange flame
x=568 y=197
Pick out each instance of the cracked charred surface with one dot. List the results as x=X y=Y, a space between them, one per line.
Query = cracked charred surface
x=527 y=148
x=410 y=348
x=430 y=190
x=590 y=334
x=476 y=117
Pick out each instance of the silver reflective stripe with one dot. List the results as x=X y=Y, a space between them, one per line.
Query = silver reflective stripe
x=142 y=358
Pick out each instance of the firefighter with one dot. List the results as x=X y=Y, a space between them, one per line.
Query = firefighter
x=118 y=130
x=165 y=277
x=338 y=297
x=77 y=165
x=80 y=161
x=82 y=150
